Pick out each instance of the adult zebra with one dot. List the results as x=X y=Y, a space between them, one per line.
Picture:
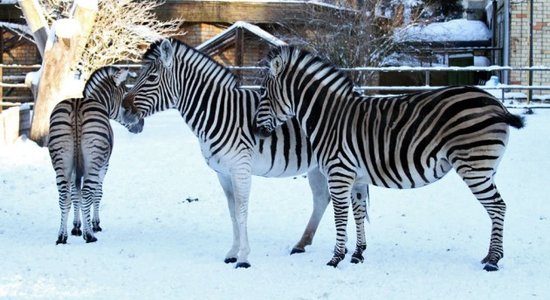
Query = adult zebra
x=80 y=144
x=396 y=142
x=220 y=114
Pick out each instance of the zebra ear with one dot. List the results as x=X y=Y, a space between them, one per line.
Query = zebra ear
x=276 y=65
x=166 y=53
x=120 y=76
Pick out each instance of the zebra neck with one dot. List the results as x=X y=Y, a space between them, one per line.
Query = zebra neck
x=105 y=100
x=318 y=113
x=205 y=88
x=204 y=106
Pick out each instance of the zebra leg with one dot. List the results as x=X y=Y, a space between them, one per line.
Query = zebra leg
x=64 y=190
x=76 y=197
x=359 y=200
x=480 y=180
x=321 y=198
x=241 y=179
x=98 y=195
x=225 y=182
x=97 y=200
x=340 y=192
x=486 y=192
x=87 y=201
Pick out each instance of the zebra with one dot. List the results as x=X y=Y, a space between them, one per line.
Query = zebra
x=80 y=144
x=394 y=142
x=220 y=114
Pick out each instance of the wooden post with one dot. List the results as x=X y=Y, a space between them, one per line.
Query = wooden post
x=61 y=54
x=1 y=90
x=1 y=62
x=10 y=124
x=36 y=22
x=239 y=46
x=24 y=120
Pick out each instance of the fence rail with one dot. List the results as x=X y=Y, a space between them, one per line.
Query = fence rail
x=13 y=81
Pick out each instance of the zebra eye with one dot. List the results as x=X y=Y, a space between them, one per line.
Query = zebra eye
x=152 y=77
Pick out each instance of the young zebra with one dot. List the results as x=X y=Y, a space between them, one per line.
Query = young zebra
x=80 y=144
x=397 y=142
x=220 y=114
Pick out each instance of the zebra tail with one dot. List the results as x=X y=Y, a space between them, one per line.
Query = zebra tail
x=513 y=120
x=367 y=211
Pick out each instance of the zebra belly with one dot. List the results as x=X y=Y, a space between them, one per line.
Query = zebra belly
x=285 y=153
x=266 y=165
x=261 y=164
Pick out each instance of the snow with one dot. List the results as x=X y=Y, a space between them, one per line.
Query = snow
x=22 y=29
x=450 y=31
x=481 y=61
x=423 y=244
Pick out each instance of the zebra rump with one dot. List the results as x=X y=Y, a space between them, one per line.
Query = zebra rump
x=80 y=143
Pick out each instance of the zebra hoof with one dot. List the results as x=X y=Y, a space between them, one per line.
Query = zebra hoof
x=490 y=267
x=230 y=260
x=357 y=258
x=297 y=250
x=62 y=239
x=90 y=238
x=96 y=228
x=242 y=265
x=76 y=231
x=336 y=259
x=333 y=263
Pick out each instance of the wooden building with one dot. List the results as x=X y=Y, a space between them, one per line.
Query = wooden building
x=203 y=20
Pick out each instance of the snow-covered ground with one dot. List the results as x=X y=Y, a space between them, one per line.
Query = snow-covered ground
x=156 y=244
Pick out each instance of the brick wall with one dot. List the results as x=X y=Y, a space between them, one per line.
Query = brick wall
x=519 y=41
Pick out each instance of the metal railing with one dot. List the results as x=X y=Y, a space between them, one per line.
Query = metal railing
x=16 y=81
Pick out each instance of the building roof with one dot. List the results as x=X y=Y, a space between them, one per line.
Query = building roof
x=229 y=35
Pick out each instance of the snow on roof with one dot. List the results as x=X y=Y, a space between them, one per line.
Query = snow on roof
x=451 y=31
x=266 y=36
x=21 y=29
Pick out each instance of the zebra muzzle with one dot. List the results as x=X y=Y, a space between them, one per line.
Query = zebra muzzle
x=262 y=131
x=130 y=113
x=137 y=127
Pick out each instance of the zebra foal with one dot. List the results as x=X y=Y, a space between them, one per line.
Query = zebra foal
x=395 y=142
x=221 y=114
x=80 y=144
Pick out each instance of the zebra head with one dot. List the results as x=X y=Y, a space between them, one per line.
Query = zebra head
x=120 y=78
x=275 y=107
x=110 y=81
x=154 y=88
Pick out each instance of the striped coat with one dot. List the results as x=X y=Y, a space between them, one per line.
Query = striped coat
x=395 y=142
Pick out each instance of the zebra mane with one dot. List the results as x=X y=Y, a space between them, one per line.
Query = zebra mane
x=293 y=56
x=180 y=49
x=100 y=75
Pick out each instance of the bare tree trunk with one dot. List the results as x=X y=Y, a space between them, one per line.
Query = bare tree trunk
x=71 y=44
x=62 y=52
x=36 y=21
